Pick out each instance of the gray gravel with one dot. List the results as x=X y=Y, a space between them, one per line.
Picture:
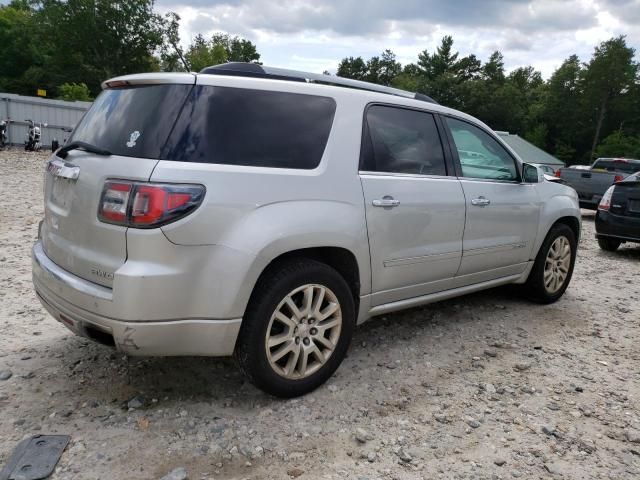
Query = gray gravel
x=485 y=386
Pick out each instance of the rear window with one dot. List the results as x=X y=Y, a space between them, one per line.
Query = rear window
x=260 y=128
x=625 y=166
x=133 y=121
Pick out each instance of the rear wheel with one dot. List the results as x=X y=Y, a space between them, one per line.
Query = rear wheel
x=608 y=244
x=553 y=266
x=297 y=328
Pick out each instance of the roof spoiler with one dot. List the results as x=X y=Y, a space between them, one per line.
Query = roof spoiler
x=241 y=69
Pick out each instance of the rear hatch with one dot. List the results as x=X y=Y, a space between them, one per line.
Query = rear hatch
x=626 y=198
x=131 y=119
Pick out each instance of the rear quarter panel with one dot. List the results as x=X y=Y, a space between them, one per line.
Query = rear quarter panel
x=266 y=212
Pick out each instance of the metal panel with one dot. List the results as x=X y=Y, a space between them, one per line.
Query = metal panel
x=57 y=114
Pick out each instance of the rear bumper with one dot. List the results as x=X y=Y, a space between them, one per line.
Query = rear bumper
x=617 y=226
x=179 y=337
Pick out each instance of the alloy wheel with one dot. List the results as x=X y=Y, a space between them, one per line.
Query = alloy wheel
x=303 y=331
x=557 y=264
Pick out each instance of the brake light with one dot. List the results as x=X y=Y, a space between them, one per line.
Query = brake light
x=557 y=174
x=147 y=205
x=605 y=201
x=617 y=178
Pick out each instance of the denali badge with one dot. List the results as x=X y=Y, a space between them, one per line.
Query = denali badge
x=132 y=139
x=101 y=273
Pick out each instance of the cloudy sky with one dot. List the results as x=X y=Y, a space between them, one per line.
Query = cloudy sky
x=314 y=35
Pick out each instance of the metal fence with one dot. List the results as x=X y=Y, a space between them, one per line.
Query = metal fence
x=57 y=114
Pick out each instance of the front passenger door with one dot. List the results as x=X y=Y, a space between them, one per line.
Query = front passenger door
x=502 y=212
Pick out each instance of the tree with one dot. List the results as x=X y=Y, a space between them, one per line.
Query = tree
x=561 y=110
x=619 y=145
x=19 y=52
x=445 y=76
x=354 y=68
x=382 y=70
x=609 y=75
x=171 y=54
x=74 y=91
x=493 y=70
x=89 y=41
x=221 y=48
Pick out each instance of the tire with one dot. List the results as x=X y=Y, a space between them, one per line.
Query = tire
x=536 y=288
x=608 y=244
x=297 y=280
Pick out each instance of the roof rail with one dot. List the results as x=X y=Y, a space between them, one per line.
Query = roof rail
x=242 y=69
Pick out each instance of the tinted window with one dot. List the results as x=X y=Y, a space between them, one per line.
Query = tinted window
x=401 y=141
x=132 y=121
x=612 y=165
x=252 y=127
x=481 y=156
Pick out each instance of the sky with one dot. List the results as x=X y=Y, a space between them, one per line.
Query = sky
x=314 y=35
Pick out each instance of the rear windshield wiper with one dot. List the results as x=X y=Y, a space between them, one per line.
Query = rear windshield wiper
x=62 y=152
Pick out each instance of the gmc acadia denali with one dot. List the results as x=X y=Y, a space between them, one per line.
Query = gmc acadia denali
x=264 y=213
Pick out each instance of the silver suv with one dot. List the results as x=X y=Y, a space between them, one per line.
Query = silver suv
x=263 y=213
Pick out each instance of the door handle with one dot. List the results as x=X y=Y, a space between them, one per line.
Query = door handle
x=480 y=201
x=386 y=201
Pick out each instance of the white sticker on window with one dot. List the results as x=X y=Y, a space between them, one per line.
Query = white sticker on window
x=132 y=139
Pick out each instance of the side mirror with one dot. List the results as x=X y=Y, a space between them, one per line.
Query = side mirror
x=532 y=174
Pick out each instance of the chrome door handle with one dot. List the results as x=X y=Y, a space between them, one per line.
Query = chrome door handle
x=480 y=202
x=386 y=201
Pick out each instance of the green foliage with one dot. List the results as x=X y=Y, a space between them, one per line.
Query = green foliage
x=220 y=48
x=608 y=76
x=74 y=91
x=20 y=59
x=49 y=43
x=619 y=145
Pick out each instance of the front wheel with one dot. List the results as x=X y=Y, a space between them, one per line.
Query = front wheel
x=608 y=244
x=553 y=266
x=297 y=328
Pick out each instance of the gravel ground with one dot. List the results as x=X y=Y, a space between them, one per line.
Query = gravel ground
x=484 y=386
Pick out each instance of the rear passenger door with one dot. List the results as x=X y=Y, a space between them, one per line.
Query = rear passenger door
x=415 y=210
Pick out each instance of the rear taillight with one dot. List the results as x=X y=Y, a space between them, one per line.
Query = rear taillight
x=557 y=174
x=147 y=205
x=114 y=201
x=605 y=202
x=617 y=178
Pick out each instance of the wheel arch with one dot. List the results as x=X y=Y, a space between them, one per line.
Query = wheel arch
x=572 y=222
x=341 y=259
x=558 y=209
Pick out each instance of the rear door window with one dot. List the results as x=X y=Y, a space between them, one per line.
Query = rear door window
x=132 y=121
x=399 y=140
x=259 y=128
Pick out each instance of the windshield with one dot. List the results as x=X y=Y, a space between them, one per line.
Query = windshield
x=132 y=121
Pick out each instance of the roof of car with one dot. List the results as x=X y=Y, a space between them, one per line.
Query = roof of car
x=243 y=69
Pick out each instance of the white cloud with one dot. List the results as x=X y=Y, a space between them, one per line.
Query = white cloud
x=316 y=34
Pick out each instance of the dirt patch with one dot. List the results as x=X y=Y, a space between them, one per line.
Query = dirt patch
x=484 y=386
